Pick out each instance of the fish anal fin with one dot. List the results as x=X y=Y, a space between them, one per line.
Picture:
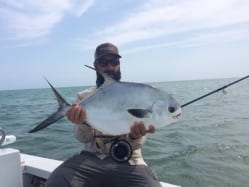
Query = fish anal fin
x=139 y=113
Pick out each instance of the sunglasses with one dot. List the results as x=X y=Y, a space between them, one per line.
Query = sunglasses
x=105 y=62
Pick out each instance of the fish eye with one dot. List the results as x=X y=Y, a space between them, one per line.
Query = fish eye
x=171 y=109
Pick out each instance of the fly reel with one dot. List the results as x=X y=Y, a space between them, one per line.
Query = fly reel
x=120 y=151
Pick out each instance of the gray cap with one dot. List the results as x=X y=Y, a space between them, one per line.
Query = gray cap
x=106 y=49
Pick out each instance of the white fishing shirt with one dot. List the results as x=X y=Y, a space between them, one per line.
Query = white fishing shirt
x=85 y=134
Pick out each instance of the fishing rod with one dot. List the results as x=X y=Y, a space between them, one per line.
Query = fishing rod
x=212 y=92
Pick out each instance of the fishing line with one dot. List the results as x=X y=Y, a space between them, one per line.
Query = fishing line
x=212 y=92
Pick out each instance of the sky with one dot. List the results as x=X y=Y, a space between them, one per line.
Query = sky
x=159 y=40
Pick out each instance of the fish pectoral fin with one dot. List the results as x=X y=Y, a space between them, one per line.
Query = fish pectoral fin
x=139 y=113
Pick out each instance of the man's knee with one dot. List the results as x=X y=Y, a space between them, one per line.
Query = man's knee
x=59 y=177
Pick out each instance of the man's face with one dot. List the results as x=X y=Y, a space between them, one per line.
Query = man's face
x=110 y=65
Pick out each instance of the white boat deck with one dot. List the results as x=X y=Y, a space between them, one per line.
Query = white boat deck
x=38 y=166
x=32 y=170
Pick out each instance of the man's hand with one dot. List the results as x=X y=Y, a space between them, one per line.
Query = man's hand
x=138 y=130
x=76 y=114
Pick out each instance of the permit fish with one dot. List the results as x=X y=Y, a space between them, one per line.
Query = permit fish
x=115 y=106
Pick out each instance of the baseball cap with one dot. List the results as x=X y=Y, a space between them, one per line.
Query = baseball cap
x=106 y=49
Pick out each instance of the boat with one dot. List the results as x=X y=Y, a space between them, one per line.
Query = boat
x=24 y=170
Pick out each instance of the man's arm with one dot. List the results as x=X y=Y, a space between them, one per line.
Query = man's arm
x=136 y=137
x=77 y=115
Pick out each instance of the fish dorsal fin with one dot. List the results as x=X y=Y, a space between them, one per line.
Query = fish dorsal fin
x=140 y=113
x=107 y=78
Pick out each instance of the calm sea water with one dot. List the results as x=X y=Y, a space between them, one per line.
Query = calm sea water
x=209 y=147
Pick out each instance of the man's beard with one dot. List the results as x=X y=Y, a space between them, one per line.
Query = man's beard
x=114 y=75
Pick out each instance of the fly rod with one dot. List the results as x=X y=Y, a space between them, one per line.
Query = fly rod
x=212 y=92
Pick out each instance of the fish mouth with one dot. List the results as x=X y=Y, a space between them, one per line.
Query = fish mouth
x=177 y=114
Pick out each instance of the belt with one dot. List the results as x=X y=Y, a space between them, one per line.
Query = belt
x=118 y=148
x=103 y=142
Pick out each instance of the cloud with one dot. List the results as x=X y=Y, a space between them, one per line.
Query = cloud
x=80 y=8
x=28 y=19
x=165 y=19
x=150 y=21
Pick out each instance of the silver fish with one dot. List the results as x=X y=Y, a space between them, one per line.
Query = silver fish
x=115 y=106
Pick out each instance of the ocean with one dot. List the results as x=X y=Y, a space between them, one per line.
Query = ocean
x=209 y=147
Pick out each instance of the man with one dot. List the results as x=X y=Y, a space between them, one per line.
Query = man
x=95 y=166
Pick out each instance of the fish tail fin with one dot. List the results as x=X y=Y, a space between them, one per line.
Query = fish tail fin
x=60 y=113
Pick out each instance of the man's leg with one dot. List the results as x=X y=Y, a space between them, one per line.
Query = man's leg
x=135 y=176
x=78 y=171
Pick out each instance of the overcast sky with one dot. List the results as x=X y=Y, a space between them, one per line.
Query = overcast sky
x=159 y=40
